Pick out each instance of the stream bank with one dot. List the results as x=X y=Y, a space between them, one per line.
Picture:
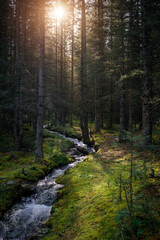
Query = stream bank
x=27 y=216
x=18 y=170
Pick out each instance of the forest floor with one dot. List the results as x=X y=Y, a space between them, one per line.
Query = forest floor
x=99 y=201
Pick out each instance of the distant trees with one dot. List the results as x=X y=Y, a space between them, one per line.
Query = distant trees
x=101 y=66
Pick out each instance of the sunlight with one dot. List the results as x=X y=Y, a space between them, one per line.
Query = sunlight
x=59 y=12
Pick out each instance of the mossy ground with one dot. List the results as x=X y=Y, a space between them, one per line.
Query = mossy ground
x=69 y=131
x=19 y=167
x=89 y=205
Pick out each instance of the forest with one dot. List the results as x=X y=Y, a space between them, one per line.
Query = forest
x=79 y=119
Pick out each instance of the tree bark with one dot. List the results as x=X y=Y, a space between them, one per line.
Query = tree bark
x=62 y=112
x=72 y=67
x=56 y=73
x=100 y=75
x=122 y=112
x=111 y=112
x=18 y=122
x=40 y=119
x=130 y=114
x=147 y=81
x=84 y=115
x=122 y=87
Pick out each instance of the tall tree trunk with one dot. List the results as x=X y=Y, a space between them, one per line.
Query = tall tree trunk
x=72 y=67
x=61 y=116
x=100 y=75
x=131 y=67
x=147 y=81
x=122 y=87
x=122 y=112
x=111 y=112
x=40 y=119
x=98 y=110
x=17 y=101
x=84 y=114
x=130 y=113
x=56 y=73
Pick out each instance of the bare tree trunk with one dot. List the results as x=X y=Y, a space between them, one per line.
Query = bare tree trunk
x=130 y=114
x=98 y=112
x=61 y=116
x=56 y=73
x=122 y=87
x=122 y=112
x=147 y=81
x=40 y=119
x=18 y=124
x=84 y=117
x=111 y=112
x=132 y=67
x=100 y=76
x=72 y=67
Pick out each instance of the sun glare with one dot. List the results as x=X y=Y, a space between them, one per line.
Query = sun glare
x=59 y=12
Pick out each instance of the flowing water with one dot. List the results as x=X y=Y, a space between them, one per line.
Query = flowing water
x=27 y=217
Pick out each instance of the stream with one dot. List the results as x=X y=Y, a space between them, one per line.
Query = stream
x=27 y=217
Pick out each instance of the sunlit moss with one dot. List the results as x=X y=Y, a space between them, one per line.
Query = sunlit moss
x=90 y=206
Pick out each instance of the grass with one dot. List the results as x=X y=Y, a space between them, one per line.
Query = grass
x=89 y=205
x=19 y=167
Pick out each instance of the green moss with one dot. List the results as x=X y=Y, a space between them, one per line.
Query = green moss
x=156 y=135
x=20 y=167
x=69 y=131
x=8 y=195
x=89 y=206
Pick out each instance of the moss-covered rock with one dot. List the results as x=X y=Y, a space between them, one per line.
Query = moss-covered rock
x=9 y=194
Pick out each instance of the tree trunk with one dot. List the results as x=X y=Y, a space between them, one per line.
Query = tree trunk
x=56 y=73
x=111 y=112
x=62 y=116
x=98 y=112
x=40 y=119
x=18 y=123
x=122 y=112
x=84 y=117
x=147 y=81
x=122 y=87
x=100 y=75
x=72 y=67
x=130 y=114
